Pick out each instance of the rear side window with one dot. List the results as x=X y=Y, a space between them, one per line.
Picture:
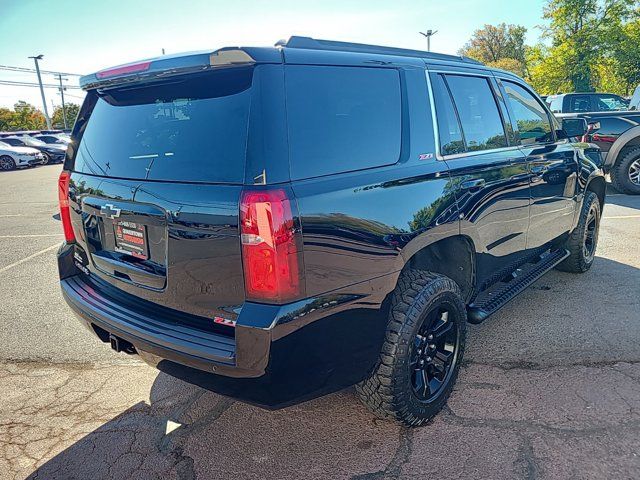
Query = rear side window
x=531 y=118
x=451 y=141
x=342 y=118
x=191 y=128
x=580 y=103
x=478 y=112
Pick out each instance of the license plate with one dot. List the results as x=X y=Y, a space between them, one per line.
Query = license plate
x=131 y=238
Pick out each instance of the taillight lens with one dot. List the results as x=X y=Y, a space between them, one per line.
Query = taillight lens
x=270 y=255
x=63 y=200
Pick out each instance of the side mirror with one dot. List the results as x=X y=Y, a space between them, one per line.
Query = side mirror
x=574 y=127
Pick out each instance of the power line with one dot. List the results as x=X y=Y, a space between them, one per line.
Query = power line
x=32 y=70
x=32 y=84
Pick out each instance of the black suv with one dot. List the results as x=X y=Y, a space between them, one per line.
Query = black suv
x=274 y=224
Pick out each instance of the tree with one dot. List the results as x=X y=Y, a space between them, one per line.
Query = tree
x=496 y=42
x=626 y=56
x=582 y=31
x=71 y=109
x=27 y=117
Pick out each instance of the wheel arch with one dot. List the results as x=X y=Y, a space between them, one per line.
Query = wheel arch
x=453 y=256
x=629 y=138
x=597 y=185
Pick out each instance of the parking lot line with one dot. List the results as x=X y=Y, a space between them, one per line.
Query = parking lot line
x=621 y=216
x=26 y=259
x=28 y=235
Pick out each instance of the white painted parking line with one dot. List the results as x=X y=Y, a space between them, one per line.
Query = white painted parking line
x=621 y=216
x=26 y=259
x=32 y=236
x=11 y=215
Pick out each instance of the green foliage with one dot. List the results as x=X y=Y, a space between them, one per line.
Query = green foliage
x=593 y=45
x=24 y=116
x=71 y=110
x=496 y=42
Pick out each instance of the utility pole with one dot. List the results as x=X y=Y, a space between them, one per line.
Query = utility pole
x=429 y=34
x=44 y=101
x=64 y=111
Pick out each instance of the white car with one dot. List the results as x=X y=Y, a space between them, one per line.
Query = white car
x=16 y=157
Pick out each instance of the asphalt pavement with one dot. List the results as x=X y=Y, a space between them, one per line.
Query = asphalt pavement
x=550 y=387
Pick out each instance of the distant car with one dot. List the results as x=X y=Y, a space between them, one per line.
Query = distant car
x=52 y=153
x=586 y=102
x=18 y=157
x=52 y=139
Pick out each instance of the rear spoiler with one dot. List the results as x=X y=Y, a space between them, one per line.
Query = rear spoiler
x=169 y=65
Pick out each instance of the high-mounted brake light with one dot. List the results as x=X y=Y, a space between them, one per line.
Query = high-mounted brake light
x=63 y=200
x=270 y=256
x=131 y=68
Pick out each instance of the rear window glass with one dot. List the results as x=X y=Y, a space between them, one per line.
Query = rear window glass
x=191 y=128
x=342 y=118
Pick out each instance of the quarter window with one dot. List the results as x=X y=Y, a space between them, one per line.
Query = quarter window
x=342 y=119
x=478 y=112
x=531 y=118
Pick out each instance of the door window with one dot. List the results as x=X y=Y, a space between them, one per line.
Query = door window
x=531 y=118
x=480 y=119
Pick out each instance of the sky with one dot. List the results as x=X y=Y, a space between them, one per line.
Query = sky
x=83 y=36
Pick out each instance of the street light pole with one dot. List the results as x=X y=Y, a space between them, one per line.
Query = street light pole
x=64 y=111
x=44 y=101
x=429 y=34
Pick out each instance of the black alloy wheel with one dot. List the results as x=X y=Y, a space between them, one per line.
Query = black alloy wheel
x=592 y=225
x=434 y=352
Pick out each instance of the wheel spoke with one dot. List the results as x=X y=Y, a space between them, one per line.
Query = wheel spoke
x=421 y=382
x=442 y=330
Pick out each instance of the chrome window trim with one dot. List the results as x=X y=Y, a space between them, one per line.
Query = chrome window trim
x=434 y=120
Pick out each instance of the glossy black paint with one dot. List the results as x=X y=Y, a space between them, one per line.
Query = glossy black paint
x=359 y=230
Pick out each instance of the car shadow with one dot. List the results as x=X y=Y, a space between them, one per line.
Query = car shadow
x=185 y=426
x=188 y=432
x=614 y=197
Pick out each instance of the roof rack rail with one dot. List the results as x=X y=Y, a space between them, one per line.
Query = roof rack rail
x=317 y=44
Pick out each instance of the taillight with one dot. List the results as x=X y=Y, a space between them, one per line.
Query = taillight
x=63 y=200
x=270 y=255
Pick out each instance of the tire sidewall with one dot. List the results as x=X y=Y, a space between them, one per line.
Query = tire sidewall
x=621 y=173
x=423 y=303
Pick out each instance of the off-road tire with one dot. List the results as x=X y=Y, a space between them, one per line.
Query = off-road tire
x=7 y=163
x=620 y=172
x=578 y=261
x=388 y=392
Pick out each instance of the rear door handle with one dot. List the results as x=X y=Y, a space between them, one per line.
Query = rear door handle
x=473 y=184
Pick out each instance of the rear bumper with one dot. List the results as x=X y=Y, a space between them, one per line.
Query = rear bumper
x=279 y=355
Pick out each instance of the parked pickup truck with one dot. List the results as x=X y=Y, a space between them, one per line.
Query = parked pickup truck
x=279 y=223
x=613 y=127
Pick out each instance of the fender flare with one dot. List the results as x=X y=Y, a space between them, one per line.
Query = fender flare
x=620 y=143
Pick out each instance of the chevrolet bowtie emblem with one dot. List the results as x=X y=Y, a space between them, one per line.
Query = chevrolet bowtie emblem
x=110 y=211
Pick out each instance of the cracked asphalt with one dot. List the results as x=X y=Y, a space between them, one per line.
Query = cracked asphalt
x=550 y=388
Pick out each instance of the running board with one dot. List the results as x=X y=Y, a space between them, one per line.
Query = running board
x=497 y=295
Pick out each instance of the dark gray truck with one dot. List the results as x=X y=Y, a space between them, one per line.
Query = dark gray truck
x=614 y=125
